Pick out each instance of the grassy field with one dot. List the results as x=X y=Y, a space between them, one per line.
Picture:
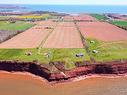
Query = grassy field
x=99 y=16
x=4 y=17
x=17 y=26
x=65 y=55
x=120 y=23
x=108 y=51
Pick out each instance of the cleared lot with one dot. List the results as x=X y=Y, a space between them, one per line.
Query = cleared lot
x=64 y=36
x=102 y=31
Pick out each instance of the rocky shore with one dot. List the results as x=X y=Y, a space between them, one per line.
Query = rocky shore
x=82 y=69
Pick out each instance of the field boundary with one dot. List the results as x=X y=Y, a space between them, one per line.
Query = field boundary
x=85 y=45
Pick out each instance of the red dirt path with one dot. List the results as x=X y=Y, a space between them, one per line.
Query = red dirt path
x=64 y=36
x=102 y=31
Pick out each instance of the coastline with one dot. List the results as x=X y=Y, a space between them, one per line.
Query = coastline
x=78 y=78
x=37 y=71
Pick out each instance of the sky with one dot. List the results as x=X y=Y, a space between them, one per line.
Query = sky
x=65 y=2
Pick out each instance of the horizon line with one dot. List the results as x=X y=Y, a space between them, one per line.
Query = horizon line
x=63 y=4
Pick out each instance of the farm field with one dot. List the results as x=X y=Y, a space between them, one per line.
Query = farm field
x=84 y=17
x=102 y=31
x=66 y=24
x=122 y=24
x=47 y=23
x=31 y=38
x=65 y=35
x=63 y=41
x=68 y=18
x=66 y=55
x=17 y=26
x=108 y=51
x=43 y=16
x=99 y=16
x=8 y=29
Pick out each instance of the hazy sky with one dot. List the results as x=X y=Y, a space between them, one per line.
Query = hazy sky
x=93 y=2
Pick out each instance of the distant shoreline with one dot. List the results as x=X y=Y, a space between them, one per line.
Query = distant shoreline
x=71 y=9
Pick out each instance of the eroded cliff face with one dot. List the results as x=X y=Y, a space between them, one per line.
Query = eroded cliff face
x=33 y=68
x=83 y=68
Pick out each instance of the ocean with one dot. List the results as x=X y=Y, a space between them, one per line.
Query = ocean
x=16 y=84
x=67 y=8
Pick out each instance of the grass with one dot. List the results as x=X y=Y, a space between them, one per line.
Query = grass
x=34 y=16
x=17 y=26
x=120 y=23
x=99 y=16
x=65 y=55
x=108 y=51
x=4 y=17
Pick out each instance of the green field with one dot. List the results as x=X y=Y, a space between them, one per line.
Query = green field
x=99 y=16
x=64 y=55
x=120 y=23
x=108 y=51
x=17 y=26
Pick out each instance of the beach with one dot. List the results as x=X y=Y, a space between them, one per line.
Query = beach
x=13 y=84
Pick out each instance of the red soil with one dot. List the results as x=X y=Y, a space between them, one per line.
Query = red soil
x=84 y=17
x=66 y=24
x=30 y=38
x=68 y=18
x=64 y=36
x=46 y=23
x=102 y=31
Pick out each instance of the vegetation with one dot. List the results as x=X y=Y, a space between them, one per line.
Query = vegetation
x=122 y=24
x=43 y=16
x=66 y=55
x=17 y=26
x=108 y=51
x=10 y=29
x=99 y=16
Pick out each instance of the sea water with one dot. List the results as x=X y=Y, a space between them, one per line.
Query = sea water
x=69 y=8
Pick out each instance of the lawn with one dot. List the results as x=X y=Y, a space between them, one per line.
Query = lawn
x=17 y=26
x=108 y=51
x=120 y=23
x=99 y=16
x=64 y=55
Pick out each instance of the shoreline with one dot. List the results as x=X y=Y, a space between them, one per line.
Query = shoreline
x=76 y=79
x=83 y=70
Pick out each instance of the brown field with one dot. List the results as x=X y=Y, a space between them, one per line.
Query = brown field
x=84 y=17
x=46 y=23
x=31 y=38
x=64 y=36
x=102 y=31
x=68 y=18
x=66 y=24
